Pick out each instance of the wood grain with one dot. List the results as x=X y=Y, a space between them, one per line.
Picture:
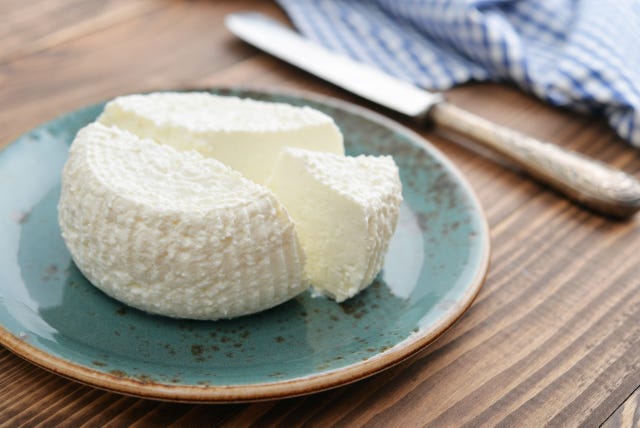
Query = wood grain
x=25 y=32
x=553 y=338
x=627 y=415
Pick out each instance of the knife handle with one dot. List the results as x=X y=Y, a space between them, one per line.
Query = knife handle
x=598 y=186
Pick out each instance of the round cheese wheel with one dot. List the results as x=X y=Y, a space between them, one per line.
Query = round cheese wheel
x=172 y=232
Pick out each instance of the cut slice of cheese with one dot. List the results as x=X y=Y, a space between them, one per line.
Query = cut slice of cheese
x=345 y=210
x=245 y=134
x=172 y=232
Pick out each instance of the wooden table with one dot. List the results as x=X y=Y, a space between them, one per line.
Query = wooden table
x=553 y=337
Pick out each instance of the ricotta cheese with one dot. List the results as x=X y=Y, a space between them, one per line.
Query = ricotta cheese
x=245 y=134
x=172 y=232
x=345 y=210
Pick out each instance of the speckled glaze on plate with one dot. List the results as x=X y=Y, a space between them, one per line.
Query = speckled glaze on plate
x=51 y=316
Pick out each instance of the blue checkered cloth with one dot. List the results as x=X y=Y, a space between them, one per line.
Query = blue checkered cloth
x=580 y=54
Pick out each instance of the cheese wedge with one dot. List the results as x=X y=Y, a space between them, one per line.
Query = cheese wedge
x=245 y=134
x=172 y=232
x=345 y=210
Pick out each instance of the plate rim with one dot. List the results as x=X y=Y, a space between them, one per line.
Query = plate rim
x=303 y=385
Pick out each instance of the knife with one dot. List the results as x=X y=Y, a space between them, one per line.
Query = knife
x=591 y=183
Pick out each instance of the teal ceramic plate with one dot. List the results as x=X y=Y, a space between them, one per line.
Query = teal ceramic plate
x=51 y=316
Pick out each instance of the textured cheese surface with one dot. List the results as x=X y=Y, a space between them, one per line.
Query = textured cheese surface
x=172 y=232
x=245 y=134
x=345 y=210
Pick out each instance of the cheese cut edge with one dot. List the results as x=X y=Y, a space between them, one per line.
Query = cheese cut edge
x=345 y=209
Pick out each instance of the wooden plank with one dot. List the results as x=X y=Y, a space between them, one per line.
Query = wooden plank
x=627 y=415
x=25 y=32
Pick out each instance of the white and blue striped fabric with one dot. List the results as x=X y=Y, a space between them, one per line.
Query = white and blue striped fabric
x=580 y=54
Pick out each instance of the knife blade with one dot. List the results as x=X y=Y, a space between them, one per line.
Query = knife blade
x=602 y=188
